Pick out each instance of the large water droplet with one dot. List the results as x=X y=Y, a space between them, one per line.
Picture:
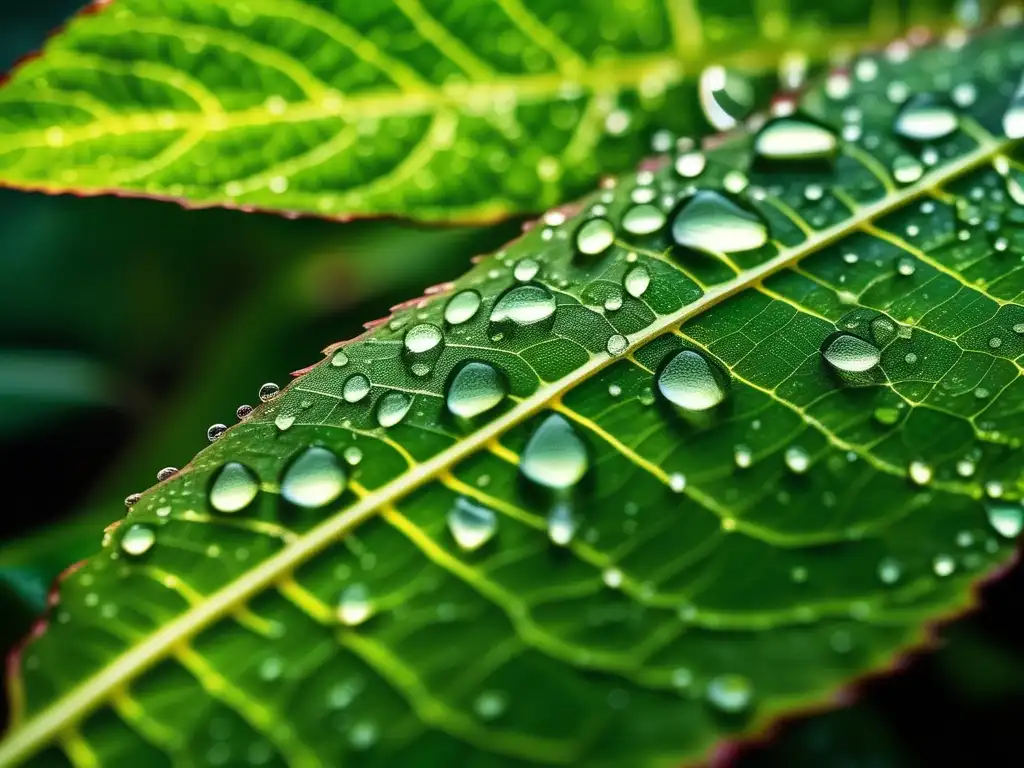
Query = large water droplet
x=462 y=307
x=354 y=606
x=475 y=389
x=1006 y=517
x=926 y=117
x=643 y=219
x=138 y=540
x=555 y=456
x=392 y=408
x=471 y=524
x=594 y=237
x=730 y=693
x=313 y=479
x=233 y=487
x=710 y=221
x=355 y=388
x=269 y=391
x=524 y=305
x=692 y=382
x=637 y=280
x=795 y=138
x=850 y=354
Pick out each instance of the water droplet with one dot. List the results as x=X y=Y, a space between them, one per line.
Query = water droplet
x=943 y=565
x=886 y=415
x=524 y=305
x=692 y=382
x=526 y=270
x=490 y=705
x=710 y=221
x=613 y=303
x=965 y=468
x=883 y=330
x=677 y=482
x=474 y=389
x=850 y=354
x=233 y=487
x=166 y=474
x=926 y=117
x=638 y=279
x=995 y=342
x=730 y=693
x=612 y=577
x=462 y=307
x=794 y=138
x=1013 y=118
x=138 y=540
x=313 y=479
x=889 y=570
x=643 y=219
x=243 y=412
x=920 y=472
x=354 y=606
x=215 y=431
x=555 y=456
x=284 y=421
x=269 y=391
x=743 y=456
x=423 y=338
x=356 y=387
x=726 y=97
x=339 y=359
x=690 y=165
x=1006 y=517
x=471 y=525
x=562 y=524
x=910 y=358
x=594 y=237
x=617 y=344
x=797 y=459
x=363 y=735
x=392 y=407
x=353 y=455
x=132 y=499
x=906 y=265
x=906 y=169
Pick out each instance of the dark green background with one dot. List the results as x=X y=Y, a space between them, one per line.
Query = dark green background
x=128 y=326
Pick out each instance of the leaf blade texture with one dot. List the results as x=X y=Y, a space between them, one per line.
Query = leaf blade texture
x=437 y=110
x=566 y=512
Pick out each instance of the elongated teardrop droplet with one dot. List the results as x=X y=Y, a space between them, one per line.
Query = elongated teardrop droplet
x=524 y=305
x=850 y=354
x=315 y=478
x=471 y=525
x=392 y=408
x=475 y=388
x=692 y=382
x=554 y=457
x=795 y=138
x=926 y=117
x=709 y=221
x=233 y=487
x=462 y=307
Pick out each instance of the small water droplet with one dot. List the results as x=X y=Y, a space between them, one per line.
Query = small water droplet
x=524 y=305
x=594 y=237
x=794 y=138
x=906 y=265
x=166 y=474
x=995 y=342
x=423 y=338
x=555 y=456
x=889 y=570
x=920 y=472
x=313 y=479
x=474 y=389
x=363 y=735
x=612 y=577
x=355 y=388
x=887 y=415
x=525 y=270
x=906 y=169
x=709 y=221
x=490 y=705
x=943 y=565
x=730 y=693
x=268 y=391
x=850 y=354
x=233 y=487
x=677 y=482
x=462 y=307
x=910 y=358
x=690 y=165
x=284 y=421
x=617 y=344
x=926 y=117
x=691 y=382
x=138 y=540
x=742 y=456
x=613 y=303
x=243 y=412
x=1013 y=118
x=215 y=431
x=562 y=524
x=132 y=499
x=1006 y=517
x=471 y=525
x=638 y=279
x=353 y=455
x=339 y=359
x=643 y=219
x=392 y=407
x=354 y=606
x=797 y=459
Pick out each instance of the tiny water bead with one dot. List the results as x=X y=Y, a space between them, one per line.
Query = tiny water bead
x=692 y=382
x=474 y=389
x=1006 y=517
x=712 y=222
x=690 y=165
x=470 y=524
x=594 y=237
x=423 y=338
x=132 y=499
x=462 y=307
x=920 y=472
x=268 y=392
x=215 y=431
x=138 y=540
x=617 y=344
x=794 y=138
x=906 y=266
x=392 y=407
x=637 y=281
x=906 y=169
x=555 y=456
x=243 y=412
x=339 y=359
x=524 y=305
x=926 y=117
x=850 y=354
x=943 y=565
x=353 y=455
x=525 y=270
x=730 y=693
x=797 y=459
x=233 y=488
x=284 y=421
x=313 y=479
x=355 y=388
x=490 y=705
x=562 y=524
x=354 y=606
x=644 y=219
x=166 y=473
x=889 y=570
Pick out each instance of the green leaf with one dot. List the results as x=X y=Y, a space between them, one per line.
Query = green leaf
x=612 y=516
x=431 y=108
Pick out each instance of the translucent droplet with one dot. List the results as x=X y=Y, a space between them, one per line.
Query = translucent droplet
x=524 y=305
x=906 y=265
x=562 y=524
x=233 y=487
x=526 y=270
x=850 y=354
x=132 y=499
x=691 y=382
x=555 y=456
x=423 y=338
x=284 y=421
x=730 y=693
x=462 y=307
x=886 y=415
x=943 y=565
x=889 y=570
x=906 y=169
x=797 y=459
x=269 y=391
x=474 y=389
x=313 y=479
x=612 y=577
x=677 y=482
x=926 y=117
x=339 y=359
x=138 y=540
x=471 y=525
x=166 y=474
x=743 y=456
x=363 y=734
x=354 y=606
x=1006 y=517
x=392 y=407
x=353 y=455
x=215 y=431
x=643 y=219
x=595 y=236
x=1013 y=118
x=638 y=279
x=920 y=472
x=726 y=97
x=709 y=221
x=355 y=388
x=883 y=330
x=617 y=344
x=613 y=303
x=490 y=705
x=794 y=138
x=690 y=165
x=243 y=412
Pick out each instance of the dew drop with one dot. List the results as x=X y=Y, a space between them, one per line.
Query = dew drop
x=354 y=606
x=730 y=693
x=889 y=570
x=474 y=389
x=743 y=456
x=462 y=307
x=233 y=488
x=906 y=169
x=132 y=499
x=906 y=266
x=677 y=482
x=562 y=524
x=555 y=456
x=339 y=359
x=926 y=117
x=313 y=479
x=490 y=705
x=797 y=459
x=525 y=270
x=690 y=165
x=353 y=455
x=166 y=474
x=709 y=221
x=613 y=303
x=138 y=540
x=612 y=577
x=1006 y=517
x=1013 y=118
x=423 y=338
x=920 y=472
x=643 y=219
x=943 y=565
x=471 y=525
x=215 y=431
x=617 y=344
x=594 y=237
x=243 y=412
x=355 y=388
x=886 y=415
x=794 y=138
x=638 y=279
x=284 y=421
x=691 y=382
x=392 y=407
x=850 y=354
x=268 y=391
x=524 y=305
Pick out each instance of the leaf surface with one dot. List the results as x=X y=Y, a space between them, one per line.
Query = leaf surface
x=714 y=492
x=430 y=108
